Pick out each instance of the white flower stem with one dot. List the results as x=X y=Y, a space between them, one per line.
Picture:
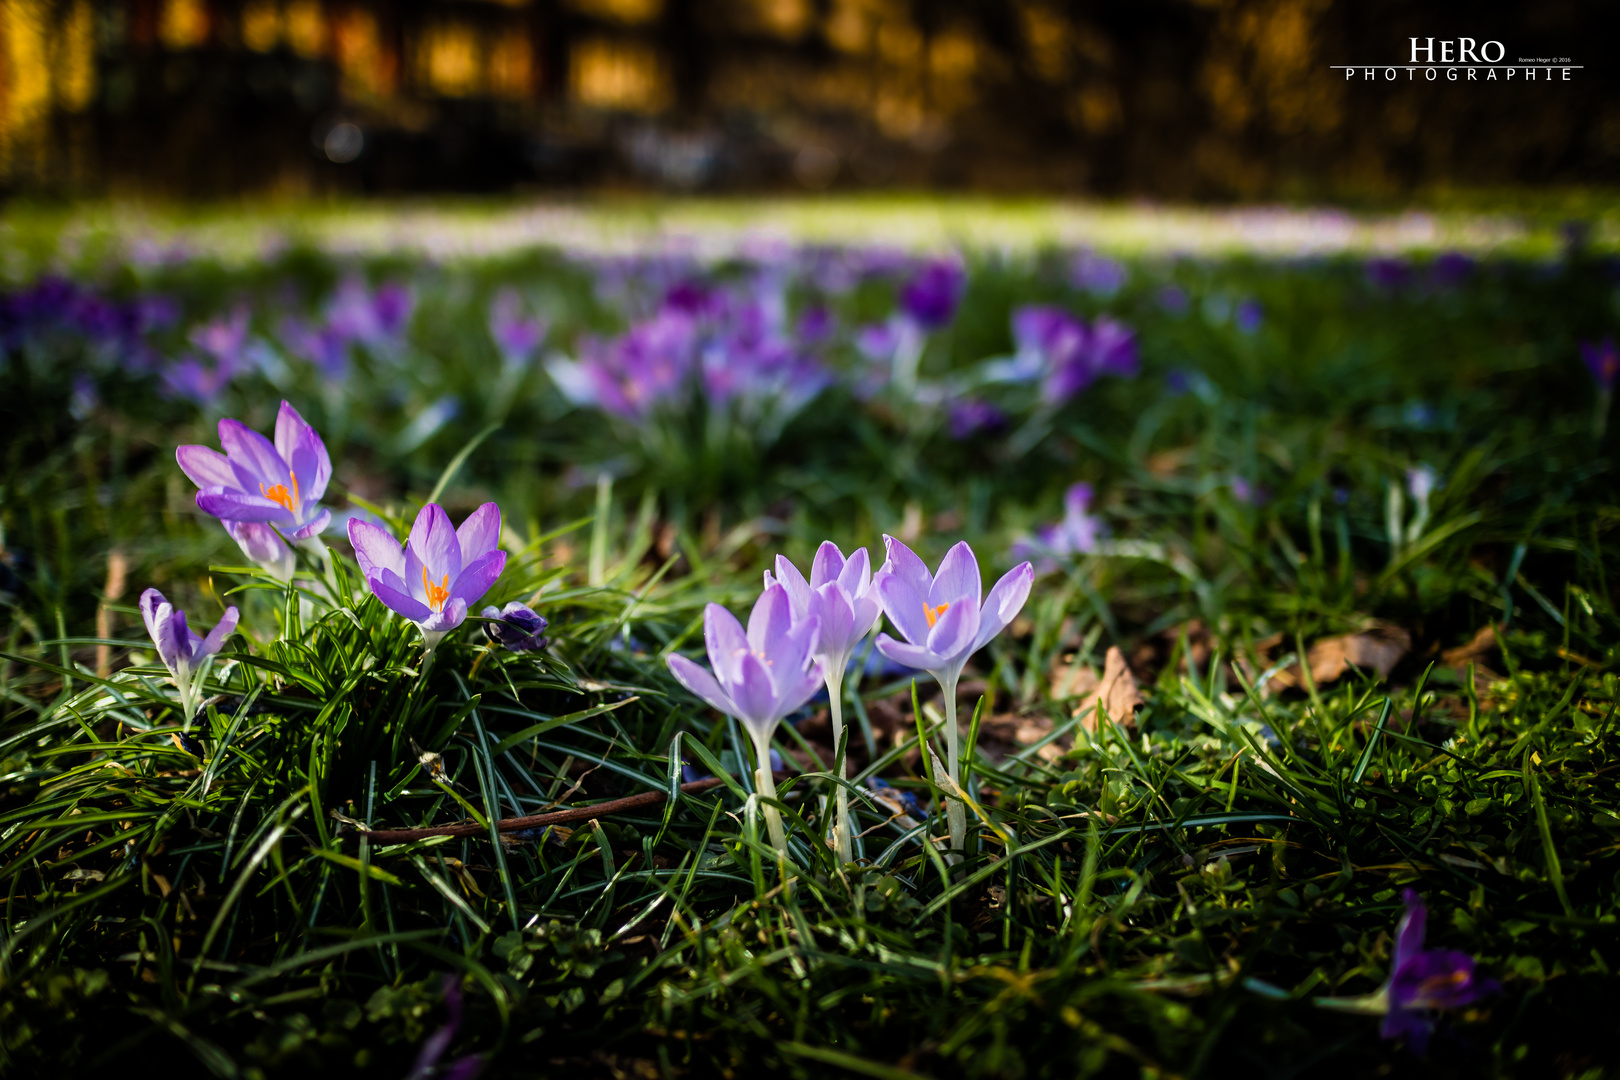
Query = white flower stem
x=765 y=784
x=955 y=812
x=842 y=843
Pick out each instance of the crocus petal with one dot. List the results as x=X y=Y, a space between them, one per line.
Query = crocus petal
x=476 y=578
x=173 y=638
x=856 y=573
x=205 y=467
x=792 y=654
x=755 y=694
x=798 y=590
x=152 y=602
x=216 y=637
x=867 y=613
x=912 y=656
x=304 y=452
x=952 y=634
x=453 y=615
x=480 y=532
x=314 y=526
x=398 y=600
x=698 y=680
x=793 y=693
x=249 y=450
x=770 y=621
x=1411 y=1026
x=1409 y=936
x=828 y=565
x=1004 y=603
x=836 y=615
x=433 y=541
x=903 y=606
x=904 y=564
x=375 y=548
x=237 y=505
x=726 y=642
x=958 y=578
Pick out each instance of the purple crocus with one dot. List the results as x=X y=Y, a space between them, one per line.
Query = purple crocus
x=840 y=599
x=224 y=338
x=440 y=571
x=759 y=676
x=264 y=546
x=1423 y=980
x=185 y=654
x=433 y=1047
x=972 y=415
x=945 y=619
x=516 y=336
x=516 y=626
x=1603 y=361
x=1076 y=534
x=278 y=484
x=931 y=296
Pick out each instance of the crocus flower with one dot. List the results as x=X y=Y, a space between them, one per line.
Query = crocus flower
x=516 y=626
x=1422 y=980
x=1603 y=361
x=516 y=336
x=440 y=571
x=931 y=296
x=224 y=338
x=279 y=484
x=1076 y=534
x=759 y=676
x=433 y=1047
x=972 y=415
x=184 y=653
x=840 y=599
x=1096 y=274
x=945 y=619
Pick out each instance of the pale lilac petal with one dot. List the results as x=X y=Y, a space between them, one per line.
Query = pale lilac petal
x=396 y=599
x=433 y=541
x=477 y=577
x=289 y=427
x=792 y=694
x=904 y=564
x=867 y=613
x=792 y=654
x=305 y=454
x=480 y=533
x=770 y=621
x=237 y=506
x=828 y=565
x=952 y=634
x=152 y=602
x=912 y=656
x=698 y=680
x=755 y=694
x=856 y=574
x=216 y=637
x=903 y=606
x=1004 y=603
x=205 y=467
x=314 y=526
x=798 y=590
x=726 y=642
x=958 y=578
x=836 y=615
x=441 y=622
x=375 y=548
x=259 y=542
x=249 y=450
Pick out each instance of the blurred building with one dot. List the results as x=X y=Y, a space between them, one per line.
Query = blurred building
x=1176 y=98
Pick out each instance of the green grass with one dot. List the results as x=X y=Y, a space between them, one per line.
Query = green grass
x=1169 y=900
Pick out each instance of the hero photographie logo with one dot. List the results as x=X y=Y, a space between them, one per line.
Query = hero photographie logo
x=1463 y=59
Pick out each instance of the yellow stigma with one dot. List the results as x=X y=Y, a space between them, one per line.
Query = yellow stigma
x=278 y=493
x=933 y=613
x=436 y=594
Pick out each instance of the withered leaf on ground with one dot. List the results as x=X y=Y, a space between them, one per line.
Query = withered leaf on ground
x=1377 y=650
x=1116 y=693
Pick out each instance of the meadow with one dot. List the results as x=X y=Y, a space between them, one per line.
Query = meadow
x=1298 y=758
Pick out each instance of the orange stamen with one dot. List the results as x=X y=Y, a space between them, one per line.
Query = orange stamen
x=278 y=493
x=436 y=594
x=933 y=613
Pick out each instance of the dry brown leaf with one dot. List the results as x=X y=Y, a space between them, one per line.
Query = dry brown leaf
x=1482 y=645
x=1377 y=649
x=1116 y=693
x=1072 y=680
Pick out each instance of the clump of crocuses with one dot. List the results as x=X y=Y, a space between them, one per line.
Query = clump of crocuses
x=187 y=655
x=945 y=618
x=840 y=600
x=439 y=572
x=758 y=676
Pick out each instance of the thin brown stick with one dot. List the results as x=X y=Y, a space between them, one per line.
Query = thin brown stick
x=536 y=821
